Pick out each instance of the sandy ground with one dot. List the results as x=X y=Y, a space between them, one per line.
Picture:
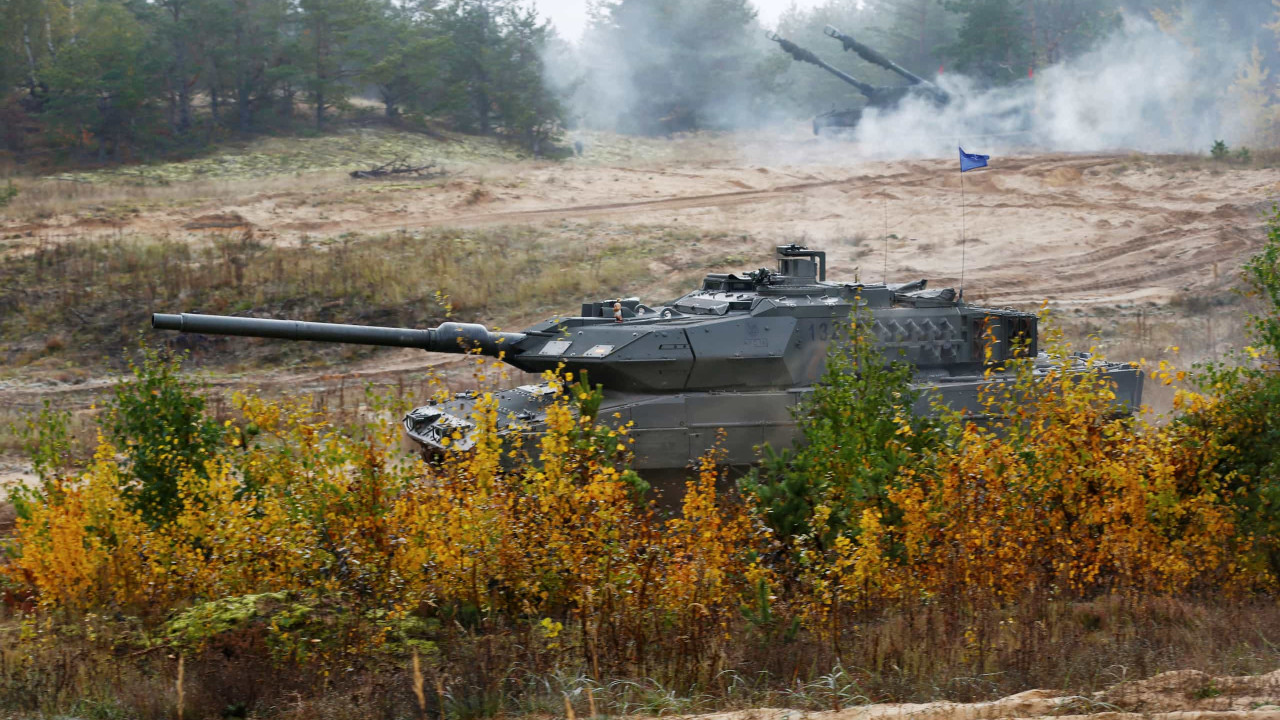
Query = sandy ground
x=1072 y=228
x=1102 y=234
x=1180 y=695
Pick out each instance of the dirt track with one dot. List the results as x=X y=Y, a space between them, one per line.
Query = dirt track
x=1078 y=229
x=1177 y=695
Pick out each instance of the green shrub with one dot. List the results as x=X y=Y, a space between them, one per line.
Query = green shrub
x=857 y=429
x=1219 y=151
x=1248 y=390
x=158 y=421
x=47 y=442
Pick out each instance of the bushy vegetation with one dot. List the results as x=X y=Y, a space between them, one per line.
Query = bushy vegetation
x=526 y=576
x=858 y=436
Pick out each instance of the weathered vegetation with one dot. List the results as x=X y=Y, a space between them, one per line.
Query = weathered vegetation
x=99 y=292
x=1044 y=550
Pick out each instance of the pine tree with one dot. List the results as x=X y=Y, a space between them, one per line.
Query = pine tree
x=992 y=40
x=102 y=85
x=496 y=65
x=680 y=64
x=326 y=53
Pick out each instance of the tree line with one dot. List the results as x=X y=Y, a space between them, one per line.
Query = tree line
x=103 y=76
x=106 y=79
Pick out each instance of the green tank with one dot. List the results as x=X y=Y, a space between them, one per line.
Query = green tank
x=738 y=355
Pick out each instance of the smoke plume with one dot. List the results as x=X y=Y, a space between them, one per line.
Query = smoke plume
x=1141 y=89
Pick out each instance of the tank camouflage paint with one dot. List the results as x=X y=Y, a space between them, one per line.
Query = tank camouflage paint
x=738 y=355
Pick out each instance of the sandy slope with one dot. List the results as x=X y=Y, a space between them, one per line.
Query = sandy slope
x=1180 y=695
x=1066 y=227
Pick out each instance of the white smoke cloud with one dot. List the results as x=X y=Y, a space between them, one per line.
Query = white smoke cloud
x=1141 y=89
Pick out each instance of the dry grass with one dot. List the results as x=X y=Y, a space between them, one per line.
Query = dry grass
x=84 y=668
x=237 y=170
x=42 y=198
x=84 y=299
x=1187 y=332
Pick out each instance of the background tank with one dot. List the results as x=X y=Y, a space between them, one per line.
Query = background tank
x=877 y=96
x=736 y=354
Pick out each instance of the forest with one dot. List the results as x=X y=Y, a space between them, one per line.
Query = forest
x=128 y=80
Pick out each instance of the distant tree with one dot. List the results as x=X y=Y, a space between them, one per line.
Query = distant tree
x=102 y=85
x=326 y=53
x=404 y=52
x=918 y=34
x=1061 y=29
x=382 y=43
x=31 y=33
x=177 y=24
x=683 y=64
x=528 y=111
x=992 y=42
x=496 y=65
x=259 y=55
x=1252 y=94
x=215 y=58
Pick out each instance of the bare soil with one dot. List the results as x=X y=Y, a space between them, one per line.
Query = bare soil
x=1180 y=695
x=1071 y=228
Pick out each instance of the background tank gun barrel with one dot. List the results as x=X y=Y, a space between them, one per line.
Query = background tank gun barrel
x=449 y=337
x=872 y=56
x=919 y=84
x=803 y=55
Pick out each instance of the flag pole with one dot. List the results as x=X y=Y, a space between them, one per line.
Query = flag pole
x=962 y=234
x=974 y=161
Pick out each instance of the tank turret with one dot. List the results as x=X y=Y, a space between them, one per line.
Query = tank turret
x=735 y=355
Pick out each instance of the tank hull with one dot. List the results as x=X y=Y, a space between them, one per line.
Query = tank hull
x=672 y=431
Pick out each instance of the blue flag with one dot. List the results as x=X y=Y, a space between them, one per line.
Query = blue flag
x=969 y=161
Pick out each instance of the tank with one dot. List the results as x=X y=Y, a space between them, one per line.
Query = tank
x=737 y=355
x=884 y=97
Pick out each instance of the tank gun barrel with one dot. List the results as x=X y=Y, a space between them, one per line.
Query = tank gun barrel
x=804 y=55
x=871 y=55
x=449 y=337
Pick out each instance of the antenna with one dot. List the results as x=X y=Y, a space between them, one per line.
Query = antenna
x=885 y=204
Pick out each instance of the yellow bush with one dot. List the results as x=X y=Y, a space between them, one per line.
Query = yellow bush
x=309 y=509
x=1057 y=497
